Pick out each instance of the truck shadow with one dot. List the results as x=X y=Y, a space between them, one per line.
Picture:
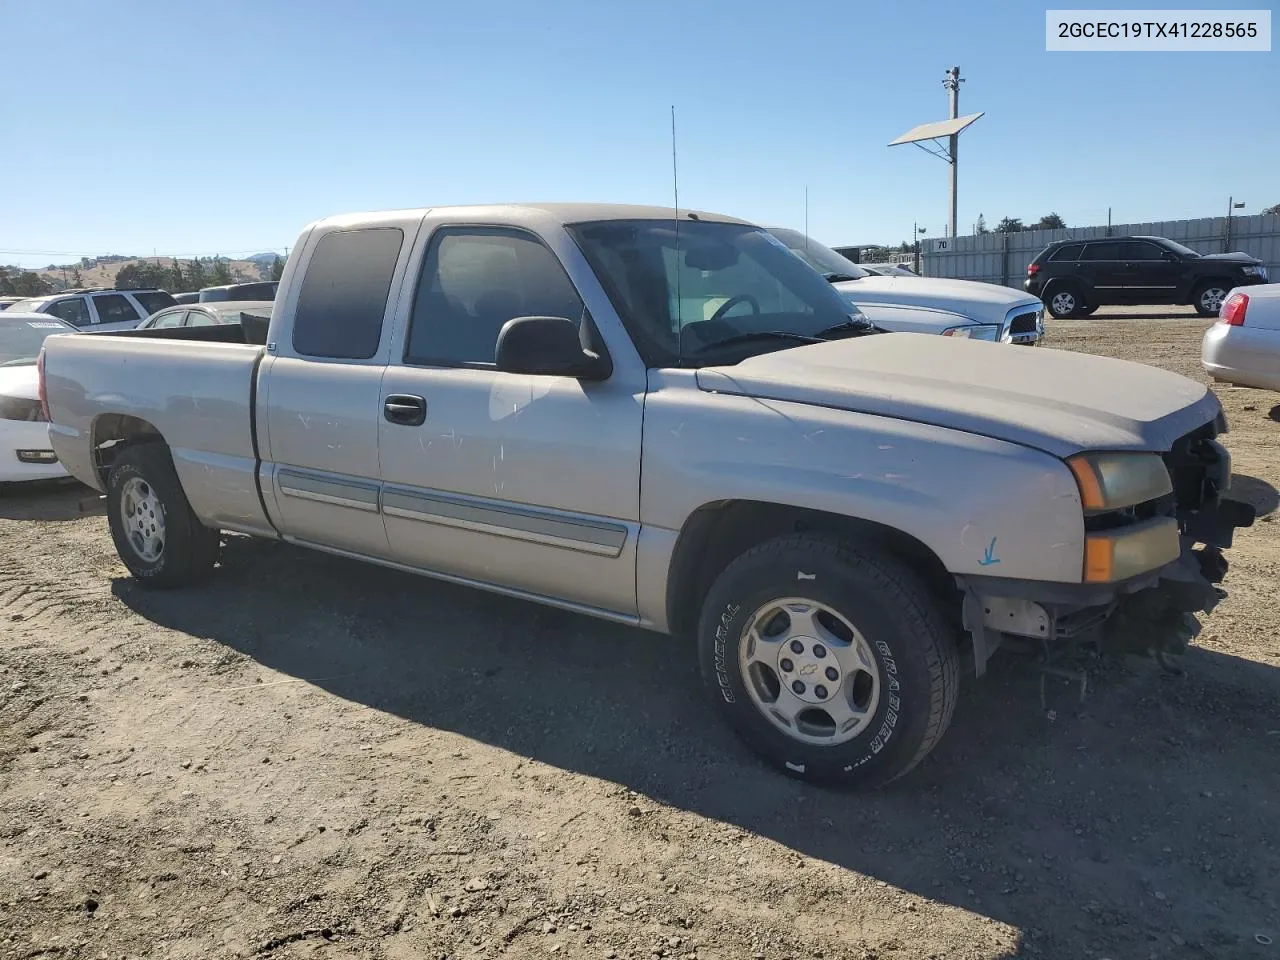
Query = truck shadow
x=48 y=500
x=1151 y=783
x=1261 y=495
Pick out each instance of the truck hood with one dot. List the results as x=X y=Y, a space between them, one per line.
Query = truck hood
x=22 y=382
x=1237 y=257
x=1052 y=400
x=980 y=302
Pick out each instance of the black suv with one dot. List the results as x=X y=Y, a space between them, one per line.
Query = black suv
x=1075 y=277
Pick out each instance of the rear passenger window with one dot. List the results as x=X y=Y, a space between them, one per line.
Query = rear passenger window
x=153 y=300
x=75 y=311
x=114 y=308
x=344 y=294
x=1102 y=251
x=473 y=281
x=1070 y=252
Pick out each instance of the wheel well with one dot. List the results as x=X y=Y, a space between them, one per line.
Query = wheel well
x=1072 y=283
x=717 y=533
x=1224 y=282
x=112 y=433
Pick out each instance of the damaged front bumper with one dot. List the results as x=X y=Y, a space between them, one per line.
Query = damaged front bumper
x=1150 y=613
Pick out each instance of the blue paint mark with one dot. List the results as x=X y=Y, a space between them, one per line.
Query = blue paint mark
x=990 y=557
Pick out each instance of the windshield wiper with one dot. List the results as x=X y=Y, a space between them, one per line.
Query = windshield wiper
x=851 y=326
x=838 y=277
x=758 y=335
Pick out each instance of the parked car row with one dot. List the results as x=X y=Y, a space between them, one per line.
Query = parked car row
x=104 y=309
x=833 y=514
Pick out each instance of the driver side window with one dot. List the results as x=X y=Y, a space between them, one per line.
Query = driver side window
x=474 y=280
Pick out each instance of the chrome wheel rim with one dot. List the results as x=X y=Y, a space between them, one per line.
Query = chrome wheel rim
x=1212 y=298
x=142 y=517
x=1063 y=302
x=809 y=671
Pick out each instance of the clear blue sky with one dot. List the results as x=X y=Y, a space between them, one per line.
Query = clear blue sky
x=224 y=127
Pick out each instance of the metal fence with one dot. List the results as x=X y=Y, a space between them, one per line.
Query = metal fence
x=1003 y=257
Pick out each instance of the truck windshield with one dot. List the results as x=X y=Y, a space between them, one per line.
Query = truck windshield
x=706 y=292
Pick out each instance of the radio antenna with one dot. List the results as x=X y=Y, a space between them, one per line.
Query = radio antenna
x=675 y=191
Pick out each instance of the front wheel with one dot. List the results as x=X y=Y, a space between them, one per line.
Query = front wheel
x=830 y=660
x=156 y=534
x=1064 y=302
x=1208 y=298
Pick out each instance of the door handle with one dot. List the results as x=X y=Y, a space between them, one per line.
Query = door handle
x=405 y=409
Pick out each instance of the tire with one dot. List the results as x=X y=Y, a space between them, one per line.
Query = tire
x=156 y=534
x=904 y=686
x=1208 y=297
x=1064 y=301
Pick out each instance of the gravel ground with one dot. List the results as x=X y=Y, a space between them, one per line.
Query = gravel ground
x=312 y=756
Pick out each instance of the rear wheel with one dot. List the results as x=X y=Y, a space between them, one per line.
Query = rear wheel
x=831 y=660
x=1064 y=302
x=1208 y=297
x=156 y=534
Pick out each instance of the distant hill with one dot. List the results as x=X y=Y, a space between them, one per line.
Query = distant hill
x=104 y=273
x=264 y=258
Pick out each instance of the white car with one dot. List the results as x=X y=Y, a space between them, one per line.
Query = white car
x=1243 y=347
x=98 y=310
x=953 y=308
x=25 y=452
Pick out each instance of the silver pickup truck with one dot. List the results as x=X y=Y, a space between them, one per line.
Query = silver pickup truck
x=668 y=420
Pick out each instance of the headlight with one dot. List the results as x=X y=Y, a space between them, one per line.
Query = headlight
x=1260 y=272
x=1112 y=481
x=974 y=331
x=1129 y=551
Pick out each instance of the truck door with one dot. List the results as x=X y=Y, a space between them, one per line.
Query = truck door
x=526 y=482
x=319 y=389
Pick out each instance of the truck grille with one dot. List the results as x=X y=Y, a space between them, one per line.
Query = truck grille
x=1024 y=328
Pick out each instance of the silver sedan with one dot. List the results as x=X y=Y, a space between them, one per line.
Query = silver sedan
x=1243 y=347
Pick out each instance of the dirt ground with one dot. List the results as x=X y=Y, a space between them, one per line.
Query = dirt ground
x=310 y=756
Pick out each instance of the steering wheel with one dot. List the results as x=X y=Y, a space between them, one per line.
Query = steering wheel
x=733 y=302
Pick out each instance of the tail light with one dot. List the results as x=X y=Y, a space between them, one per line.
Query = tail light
x=1232 y=311
x=1033 y=269
x=41 y=392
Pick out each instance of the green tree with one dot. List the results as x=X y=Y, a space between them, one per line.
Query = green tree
x=1272 y=211
x=221 y=273
x=1050 y=221
x=28 y=284
x=141 y=274
x=1010 y=225
x=277 y=268
x=981 y=226
x=196 y=279
x=76 y=279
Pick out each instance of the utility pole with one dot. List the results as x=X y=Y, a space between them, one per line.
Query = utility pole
x=1231 y=205
x=952 y=85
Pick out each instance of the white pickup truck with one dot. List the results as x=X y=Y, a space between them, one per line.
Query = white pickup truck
x=912 y=304
x=671 y=421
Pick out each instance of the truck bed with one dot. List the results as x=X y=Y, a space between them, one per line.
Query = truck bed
x=194 y=386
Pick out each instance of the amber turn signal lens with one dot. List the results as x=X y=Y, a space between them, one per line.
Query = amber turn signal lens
x=1087 y=480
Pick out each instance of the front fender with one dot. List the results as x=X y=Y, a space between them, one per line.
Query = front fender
x=983 y=506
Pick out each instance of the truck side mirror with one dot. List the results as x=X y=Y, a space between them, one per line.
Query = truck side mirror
x=549 y=347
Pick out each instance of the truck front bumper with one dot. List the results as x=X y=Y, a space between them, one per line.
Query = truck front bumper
x=1153 y=611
